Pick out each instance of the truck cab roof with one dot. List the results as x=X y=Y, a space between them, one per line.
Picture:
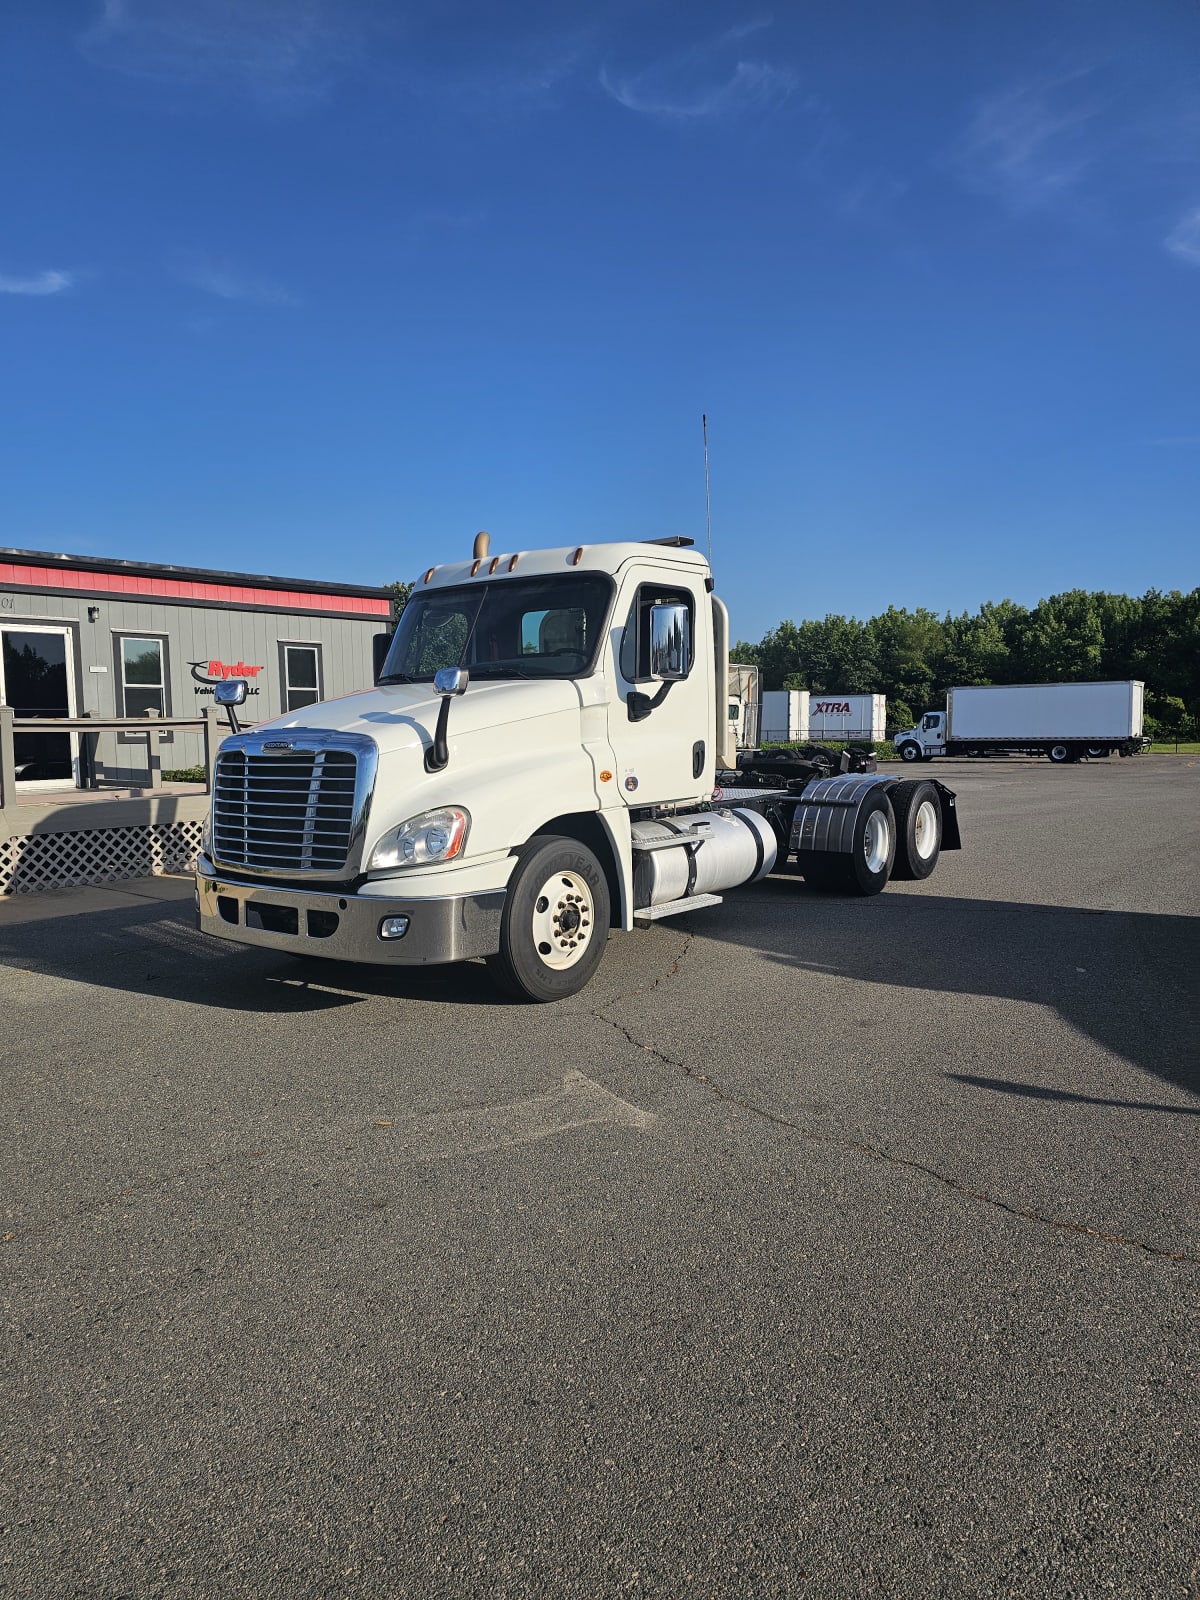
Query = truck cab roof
x=608 y=558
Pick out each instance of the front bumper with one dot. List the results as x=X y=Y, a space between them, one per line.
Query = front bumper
x=346 y=927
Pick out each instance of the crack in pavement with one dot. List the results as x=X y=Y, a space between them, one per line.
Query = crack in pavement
x=876 y=1153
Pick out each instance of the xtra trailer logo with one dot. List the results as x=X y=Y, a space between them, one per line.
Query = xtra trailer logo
x=831 y=708
x=208 y=673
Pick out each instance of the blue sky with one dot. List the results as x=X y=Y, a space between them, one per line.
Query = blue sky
x=320 y=287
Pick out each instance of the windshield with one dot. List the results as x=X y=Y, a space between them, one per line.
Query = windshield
x=517 y=628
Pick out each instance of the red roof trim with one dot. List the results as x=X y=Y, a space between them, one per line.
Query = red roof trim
x=69 y=580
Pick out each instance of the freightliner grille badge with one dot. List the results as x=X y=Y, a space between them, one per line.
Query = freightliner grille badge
x=278 y=744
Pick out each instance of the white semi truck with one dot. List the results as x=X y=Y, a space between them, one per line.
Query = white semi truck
x=1065 y=721
x=743 y=705
x=545 y=757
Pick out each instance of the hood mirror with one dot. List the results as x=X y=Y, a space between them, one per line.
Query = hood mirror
x=231 y=693
x=447 y=683
x=451 y=680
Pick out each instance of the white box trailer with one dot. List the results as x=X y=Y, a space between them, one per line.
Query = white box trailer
x=796 y=716
x=784 y=718
x=841 y=717
x=1066 y=721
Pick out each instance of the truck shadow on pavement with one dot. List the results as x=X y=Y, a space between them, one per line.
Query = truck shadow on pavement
x=156 y=950
x=1125 y=979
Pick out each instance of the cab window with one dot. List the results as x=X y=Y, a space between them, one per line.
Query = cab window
x=635 y=639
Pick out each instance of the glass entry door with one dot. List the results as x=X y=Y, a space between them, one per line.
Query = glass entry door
x=37 y=680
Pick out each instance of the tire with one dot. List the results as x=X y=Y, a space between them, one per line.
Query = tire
x=910 y=752
x=1098 y=752
x=554 y=923
x=1059 y=753
x=917 y=808
x=867 y=866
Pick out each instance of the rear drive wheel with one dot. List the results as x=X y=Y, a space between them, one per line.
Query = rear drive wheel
x=918 y=812
x=1059 y=753
x=554 y=923
x=910 y=752
x=866 y=867
x=1097 y=752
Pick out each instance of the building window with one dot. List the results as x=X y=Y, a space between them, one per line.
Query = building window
x=301 y=675
x=143 y=676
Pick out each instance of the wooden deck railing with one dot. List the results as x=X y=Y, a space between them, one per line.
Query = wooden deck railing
x=211 y=725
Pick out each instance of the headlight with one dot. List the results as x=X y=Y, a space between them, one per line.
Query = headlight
x=433 y=836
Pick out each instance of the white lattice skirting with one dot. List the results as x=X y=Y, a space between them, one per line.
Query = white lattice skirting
x=97 y=855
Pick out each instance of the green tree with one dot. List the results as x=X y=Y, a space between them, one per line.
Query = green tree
x=401 y=594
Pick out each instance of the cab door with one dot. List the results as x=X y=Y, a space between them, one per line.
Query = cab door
x=661 y=732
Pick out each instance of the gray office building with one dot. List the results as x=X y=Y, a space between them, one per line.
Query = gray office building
x=81 y=636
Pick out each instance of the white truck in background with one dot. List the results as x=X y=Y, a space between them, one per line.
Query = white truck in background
x=1065 y=721
x=743 y=705
x=798 y=716
x=545 y=757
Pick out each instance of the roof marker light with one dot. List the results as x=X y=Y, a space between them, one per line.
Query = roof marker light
x=430 y=574
x=513 y=563
x=577 y=557
x=494 y=565
x=475 y=566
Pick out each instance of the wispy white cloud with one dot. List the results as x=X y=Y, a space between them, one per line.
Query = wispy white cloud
x=871 y=198
x=273 y=51
x=226 y=283
x=1029 y=144
x=1184 y=238
x=698 y=83
x=48 y=282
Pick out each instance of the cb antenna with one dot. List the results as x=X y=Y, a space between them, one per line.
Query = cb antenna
x=707 y=500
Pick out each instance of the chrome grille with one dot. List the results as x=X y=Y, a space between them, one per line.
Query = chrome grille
x=293 y=812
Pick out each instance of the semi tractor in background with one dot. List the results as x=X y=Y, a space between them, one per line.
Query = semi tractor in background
x=743 y=705
x=1065 y=721
x=545 y=757
x=798 y=716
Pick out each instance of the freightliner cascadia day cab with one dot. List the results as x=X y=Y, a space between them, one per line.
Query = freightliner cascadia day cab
x=1065 y=721
x=545 y=758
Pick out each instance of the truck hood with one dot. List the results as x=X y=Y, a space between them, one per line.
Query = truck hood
x=403 y=716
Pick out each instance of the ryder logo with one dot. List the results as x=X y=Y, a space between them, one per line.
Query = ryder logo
x=832 y=708
x=206 y=673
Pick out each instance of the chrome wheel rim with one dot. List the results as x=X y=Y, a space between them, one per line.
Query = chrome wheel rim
x=877 y=841
x=925 y=829
x=563 y=917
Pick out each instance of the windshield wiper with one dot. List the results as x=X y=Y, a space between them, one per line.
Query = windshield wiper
x=395 y=677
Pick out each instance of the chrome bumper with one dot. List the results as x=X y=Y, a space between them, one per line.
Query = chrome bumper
x=347 y=927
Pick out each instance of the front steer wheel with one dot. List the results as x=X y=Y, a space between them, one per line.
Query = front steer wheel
x=554 y=923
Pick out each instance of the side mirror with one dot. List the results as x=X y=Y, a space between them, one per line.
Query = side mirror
x=451 y=680
x=380 y=645
x=231 y=693
x=670 y=642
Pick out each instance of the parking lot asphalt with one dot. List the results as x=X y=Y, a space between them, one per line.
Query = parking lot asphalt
x=820 y=1248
